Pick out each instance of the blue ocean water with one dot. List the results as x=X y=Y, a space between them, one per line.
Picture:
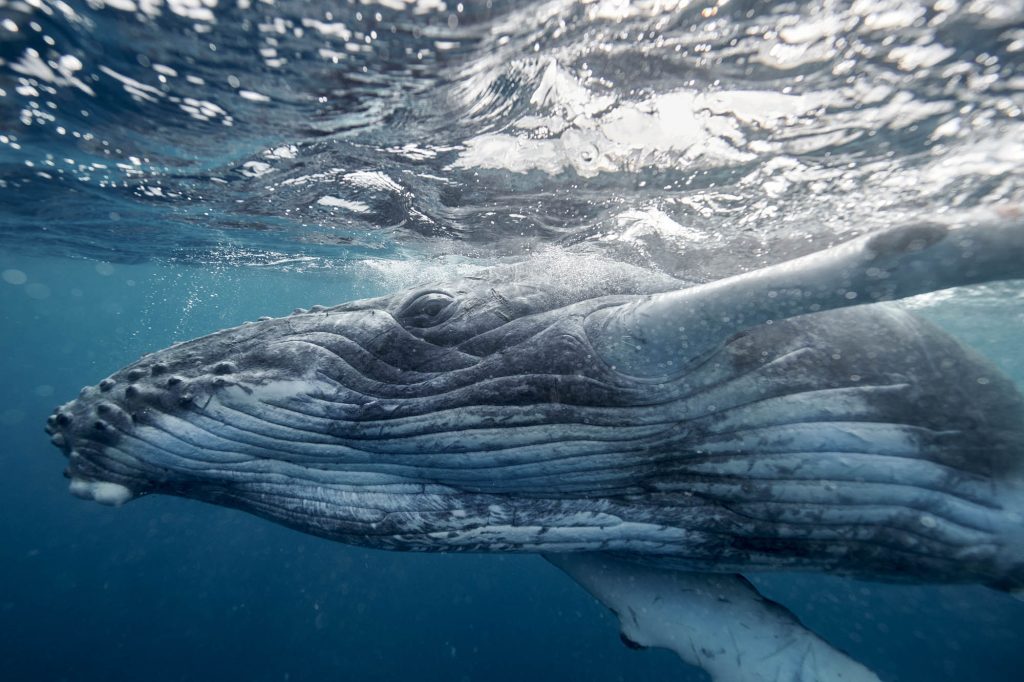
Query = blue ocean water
x=171 y=168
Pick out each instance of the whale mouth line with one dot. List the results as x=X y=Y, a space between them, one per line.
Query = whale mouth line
x=105 y=492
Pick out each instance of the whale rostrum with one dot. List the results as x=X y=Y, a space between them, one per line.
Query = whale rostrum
x=652 y=439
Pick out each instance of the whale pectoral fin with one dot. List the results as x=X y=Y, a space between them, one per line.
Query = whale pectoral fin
x=640 y=338
x=718 y=622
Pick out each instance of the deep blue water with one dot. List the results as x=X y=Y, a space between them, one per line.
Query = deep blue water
x=169 y=169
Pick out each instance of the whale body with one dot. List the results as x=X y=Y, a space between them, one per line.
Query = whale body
x=652 y=439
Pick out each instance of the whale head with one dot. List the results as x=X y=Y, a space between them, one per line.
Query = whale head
x=388 y=394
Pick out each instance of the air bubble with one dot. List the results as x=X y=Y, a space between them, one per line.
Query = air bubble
x=15 y=277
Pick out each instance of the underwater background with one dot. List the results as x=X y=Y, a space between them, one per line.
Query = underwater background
x=170 y=168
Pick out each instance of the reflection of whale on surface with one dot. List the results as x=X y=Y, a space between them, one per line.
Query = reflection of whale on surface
x=650 y=440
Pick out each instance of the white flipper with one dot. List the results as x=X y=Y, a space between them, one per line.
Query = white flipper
x=717 y=622
x=680 y=326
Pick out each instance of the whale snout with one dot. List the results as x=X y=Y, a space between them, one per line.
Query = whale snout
x=157 y=425
x=99 y=432
x=84 y=436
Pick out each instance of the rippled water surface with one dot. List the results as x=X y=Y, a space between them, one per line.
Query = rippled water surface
x=309 y=152
x=256 y=131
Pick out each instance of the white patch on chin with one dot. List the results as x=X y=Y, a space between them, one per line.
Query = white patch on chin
x=110 y=494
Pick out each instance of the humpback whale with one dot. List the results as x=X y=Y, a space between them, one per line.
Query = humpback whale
x=654 y=440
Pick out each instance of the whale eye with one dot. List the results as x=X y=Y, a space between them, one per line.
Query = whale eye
x=427 y=310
